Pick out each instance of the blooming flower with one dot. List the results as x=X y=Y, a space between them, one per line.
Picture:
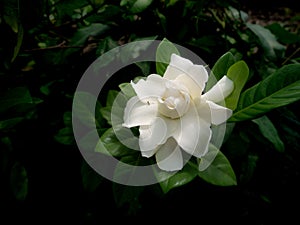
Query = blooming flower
x=173 y=113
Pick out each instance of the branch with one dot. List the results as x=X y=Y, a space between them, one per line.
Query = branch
x=59 y=46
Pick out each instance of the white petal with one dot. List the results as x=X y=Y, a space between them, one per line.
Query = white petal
x=220 y=90
x=193 y=88
x=194 y=134
x=137 y=113
x=179 y=65
x=152 y=136
x=152 y=87
x=169 y=156
x=219 y=114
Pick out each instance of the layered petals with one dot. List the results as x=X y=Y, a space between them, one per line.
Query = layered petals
x=179 y=66
x=149 y=89
x=173 y=115
x=156 y=134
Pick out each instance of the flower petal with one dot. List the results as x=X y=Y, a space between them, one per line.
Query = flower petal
x=194 y=134
x=137 y=113
x=169 y=156
x=152 y=87
x=193 y=89
x=220 y=90
x=155 y=134
x=219 y=114
x=179 y=65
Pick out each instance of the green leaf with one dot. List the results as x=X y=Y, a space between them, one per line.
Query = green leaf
x=163 y=55
x=127 y=169
x=65 y=136
x=279 y=89
x=9 y=123
x=106 y=114
x=182 y=177
x=140 y=5
x=83 y=109
x=15 y=96
x=248 y=168
x=124 y=194
x=282 y=34
x=220 y=69
x=136 y=6
x=19 y=43
x=112 y=145
x=144 y=67
x=19 y=181
x=90 y=178
x=111 y=96
x=238 y=73
x=68 y=119
x=127 y=90
x=272 y=48
x=269 y=131
x=219 y=172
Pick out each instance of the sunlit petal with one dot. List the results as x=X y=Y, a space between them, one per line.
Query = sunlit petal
x=220 y=90
x=169 y=156
x=137 y=113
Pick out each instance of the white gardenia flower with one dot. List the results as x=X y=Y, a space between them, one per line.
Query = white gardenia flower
x=173 y=114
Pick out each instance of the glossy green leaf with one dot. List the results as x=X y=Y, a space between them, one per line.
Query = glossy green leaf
x=269 y=131
x=279 y=89
x=220 y=69
x=238 y=73
x=163 y=55
x=219 y=171
x=111 y=144
x=19 y=181
x=90 y=178
x=272 y=48
x=182 y=177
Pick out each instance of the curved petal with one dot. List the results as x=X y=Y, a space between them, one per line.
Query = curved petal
x=194 y=134
x=192 y=87
x=137 y=113
x=152 y=136
x=152 y=87
x=169 y=156
x=219 y=114
x=220 y=90
x=179 y=65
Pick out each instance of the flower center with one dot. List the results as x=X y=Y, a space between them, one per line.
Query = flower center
x=175 y=101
